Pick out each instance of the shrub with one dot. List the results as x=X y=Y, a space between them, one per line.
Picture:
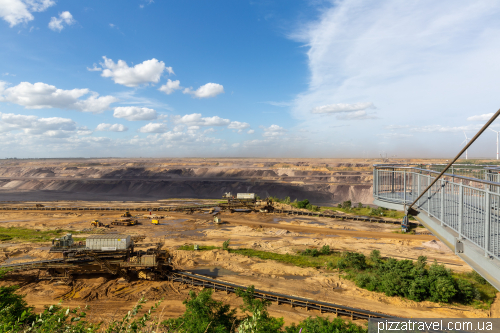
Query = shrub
x=346 y=204
x=466 y=291
x=203 y=314
x=310 y=252
x=324 y=325
x=303 y=203
x=225 y=245
x=360 y=205
x=325 y=249
x=353 y=259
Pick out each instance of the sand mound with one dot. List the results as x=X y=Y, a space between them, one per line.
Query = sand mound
x=436 y=245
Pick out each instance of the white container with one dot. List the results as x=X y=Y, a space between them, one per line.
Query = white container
x=245 y=196
x=108 y=242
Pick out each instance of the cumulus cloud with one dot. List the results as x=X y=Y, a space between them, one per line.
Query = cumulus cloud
x=149 y=71
x=41 y=95
x=240 y=126
x=94 y=68
x=19 y=11
x=153 y=128
x=195 y=119
x=134 y=113
x=170 y=86
x=57 y=23
x=338 y=108
x=111 y=128
x=206 y=91
x=251 y=131
x=483 y=117
x=33 y=125
x=273 y=131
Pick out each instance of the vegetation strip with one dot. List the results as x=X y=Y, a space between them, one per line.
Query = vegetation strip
x=416 y=281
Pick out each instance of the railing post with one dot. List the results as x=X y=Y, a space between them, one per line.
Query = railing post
x=418 y=188
x=442 y=201
x=375 y=182
x=404 y=186
x=487 y=217
x=460 y=209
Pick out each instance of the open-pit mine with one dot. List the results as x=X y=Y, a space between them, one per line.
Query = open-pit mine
x=123 y=229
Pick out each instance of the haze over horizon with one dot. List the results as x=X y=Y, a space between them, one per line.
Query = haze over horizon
x=304 y=79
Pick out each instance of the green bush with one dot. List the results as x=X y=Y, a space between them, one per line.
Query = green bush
x=325 y=249
x=324 y=325
x=346 y=204
x=310 y=252
x=225 y=245
x=203 y=314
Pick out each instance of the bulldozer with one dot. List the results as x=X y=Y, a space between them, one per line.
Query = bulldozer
x=97 y=224
x=126 y=214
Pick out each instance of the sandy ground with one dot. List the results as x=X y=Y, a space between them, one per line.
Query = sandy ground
x=267 y=232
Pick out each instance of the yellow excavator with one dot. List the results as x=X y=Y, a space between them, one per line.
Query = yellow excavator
x=126 y=214
x=156 y=222
x=97 y=224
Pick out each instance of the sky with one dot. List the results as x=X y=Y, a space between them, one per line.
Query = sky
x=259 y=78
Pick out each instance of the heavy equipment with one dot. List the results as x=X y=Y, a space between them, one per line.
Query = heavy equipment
x=97 y=224
x=125 y=222
x=65 y=243
x=126 y=214
x=155 y=222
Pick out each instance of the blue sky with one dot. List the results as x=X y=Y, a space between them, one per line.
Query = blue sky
x=344 y=78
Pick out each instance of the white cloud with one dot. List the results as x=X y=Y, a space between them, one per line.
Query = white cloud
x=153 y=128
x=280 y=104
x=413 y=61
x=41 y=95
x=238 y=126
x=170 y=86
x=395 y=135
x=483 y=117
x=19 y=11
x=356 y=115
x=33 y=125
x=94 y=68
x=251 y=131
x=57 y=24
x=393 y=127
x=205 y=91
x=273 y=131
x=149 y=71
x=134 y=113
x=235 y=145
x=338 y=108
x=454 y=129
x=111 y=128
x=195 y=119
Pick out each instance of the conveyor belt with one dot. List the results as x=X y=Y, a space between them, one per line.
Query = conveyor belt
x=198 y=280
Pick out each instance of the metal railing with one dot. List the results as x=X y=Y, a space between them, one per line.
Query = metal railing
x=469 y=206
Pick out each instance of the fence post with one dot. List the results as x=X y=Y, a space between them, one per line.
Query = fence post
x=442 y=201
x=460 y=209
x=404 y=186
x=487 y=217
x=418 y=188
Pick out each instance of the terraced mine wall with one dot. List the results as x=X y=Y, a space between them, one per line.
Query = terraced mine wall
x=153 y=180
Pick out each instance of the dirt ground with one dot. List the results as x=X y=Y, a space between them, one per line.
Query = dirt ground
x=108 y=297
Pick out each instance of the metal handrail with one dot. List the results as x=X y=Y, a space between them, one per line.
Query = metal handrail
x=482 y=181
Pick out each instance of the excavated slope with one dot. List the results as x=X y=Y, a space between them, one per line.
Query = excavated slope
x=151 y=180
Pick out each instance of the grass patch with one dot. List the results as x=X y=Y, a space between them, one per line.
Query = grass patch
x=368 y=211
x=30 y=235
x=188 y=247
